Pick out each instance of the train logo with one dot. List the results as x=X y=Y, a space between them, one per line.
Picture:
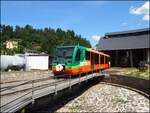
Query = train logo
x=59 y=67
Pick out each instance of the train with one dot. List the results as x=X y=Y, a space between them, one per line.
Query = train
x=73 y=60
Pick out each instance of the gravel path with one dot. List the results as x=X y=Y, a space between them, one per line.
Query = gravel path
x=107 y=98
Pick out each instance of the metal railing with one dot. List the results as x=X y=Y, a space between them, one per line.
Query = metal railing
x=29 y=94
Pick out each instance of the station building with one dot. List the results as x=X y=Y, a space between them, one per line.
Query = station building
x=126 y=48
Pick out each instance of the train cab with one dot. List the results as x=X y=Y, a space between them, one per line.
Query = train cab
x=62 y=59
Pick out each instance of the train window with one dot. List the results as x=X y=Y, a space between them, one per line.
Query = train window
x=87 y=54
x=96 y=58
x=64 y=52
x=102 y=59
x=63 y=55
x=92 y=58
x=78 y=54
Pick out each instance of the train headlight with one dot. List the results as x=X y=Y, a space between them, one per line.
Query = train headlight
x=59 y=67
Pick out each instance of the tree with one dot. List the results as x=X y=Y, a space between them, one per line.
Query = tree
x=41 y=40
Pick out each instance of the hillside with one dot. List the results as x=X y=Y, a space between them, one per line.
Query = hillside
x=40 y=40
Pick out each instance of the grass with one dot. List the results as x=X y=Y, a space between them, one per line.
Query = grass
x=133 y=72
x=144 y=75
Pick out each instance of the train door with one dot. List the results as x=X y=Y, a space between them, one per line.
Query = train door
x=78 y=56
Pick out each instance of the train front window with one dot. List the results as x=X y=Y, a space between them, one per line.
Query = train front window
x=63 y=55
x=78 y=54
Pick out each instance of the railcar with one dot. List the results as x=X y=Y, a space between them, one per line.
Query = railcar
x=72 y=60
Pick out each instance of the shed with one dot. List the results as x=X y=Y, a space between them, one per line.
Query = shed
x=40 y=62
x=126 y=48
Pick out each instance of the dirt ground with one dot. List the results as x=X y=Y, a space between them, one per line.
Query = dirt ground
x=24 y=75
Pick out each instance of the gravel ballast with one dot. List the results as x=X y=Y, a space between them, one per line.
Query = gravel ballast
x=107 y=98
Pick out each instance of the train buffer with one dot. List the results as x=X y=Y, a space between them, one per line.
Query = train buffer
x=14 y=98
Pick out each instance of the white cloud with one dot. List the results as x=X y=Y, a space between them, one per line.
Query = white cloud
x=124 y=24
x=146 y=17
x=96 y=37
x=143 y=10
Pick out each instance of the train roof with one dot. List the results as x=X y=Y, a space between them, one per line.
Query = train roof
x=98 y=52
x=88 y=49
x=64 y=46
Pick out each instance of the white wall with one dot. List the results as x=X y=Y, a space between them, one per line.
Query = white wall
x=37 y=62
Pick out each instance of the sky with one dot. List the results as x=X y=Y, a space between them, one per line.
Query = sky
x=90 y=19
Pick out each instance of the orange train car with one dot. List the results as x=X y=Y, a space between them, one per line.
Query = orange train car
x=72 y=60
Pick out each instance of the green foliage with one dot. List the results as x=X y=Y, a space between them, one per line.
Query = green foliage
x=40 y=40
